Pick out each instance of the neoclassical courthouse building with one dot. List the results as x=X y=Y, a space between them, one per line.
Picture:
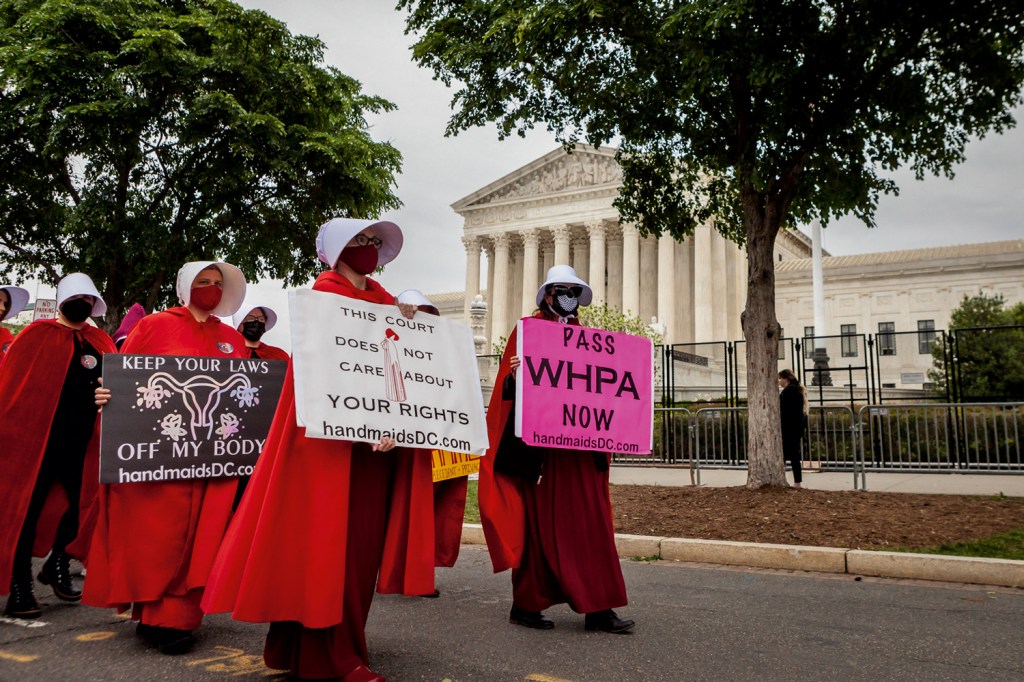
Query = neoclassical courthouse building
x=558 y=209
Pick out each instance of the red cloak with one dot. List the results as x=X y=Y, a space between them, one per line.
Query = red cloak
x=6 y=338
x=502 y=510
x=502 y=506
x=31 y=379
x=154 y=539
x=265 y=352
x=557 y=533
x=449 y=513
x=283 y=558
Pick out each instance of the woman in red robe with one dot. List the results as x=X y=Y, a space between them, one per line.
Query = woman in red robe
x=12 y=301
x=547 y=512
x=252 y=322
x=46 y=388
x=154 y=543
x=449 y=494
x=325 y=521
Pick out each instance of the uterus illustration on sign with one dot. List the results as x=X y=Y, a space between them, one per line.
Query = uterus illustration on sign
x=394 y=383
x=201 y=396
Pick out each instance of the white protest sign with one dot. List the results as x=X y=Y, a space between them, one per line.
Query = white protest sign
x=363 y=371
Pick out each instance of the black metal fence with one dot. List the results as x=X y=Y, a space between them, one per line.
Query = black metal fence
x=928 y=365
x=926 y=400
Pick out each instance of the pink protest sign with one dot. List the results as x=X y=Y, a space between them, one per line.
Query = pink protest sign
x=584 y=389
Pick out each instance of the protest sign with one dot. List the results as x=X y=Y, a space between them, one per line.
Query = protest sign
x=363 y=372
x=176 y=418
x=453 y=465
x=584 y=389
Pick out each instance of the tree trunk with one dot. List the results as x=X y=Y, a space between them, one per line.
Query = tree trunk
x=114 y=294
x=761 y=330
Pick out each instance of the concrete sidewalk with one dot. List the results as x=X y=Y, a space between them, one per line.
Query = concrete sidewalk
x=942 y=484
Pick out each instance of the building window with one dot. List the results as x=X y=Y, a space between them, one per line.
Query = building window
x=925 y=336
x=886 y=338
x=849 y=340
x=808 y=343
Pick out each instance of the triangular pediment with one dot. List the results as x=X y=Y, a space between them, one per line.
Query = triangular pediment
x=554 y=173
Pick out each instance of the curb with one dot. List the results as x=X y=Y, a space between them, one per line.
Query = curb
x=980 y=571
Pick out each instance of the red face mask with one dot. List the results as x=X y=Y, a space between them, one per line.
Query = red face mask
x=206 y=298
x=362 y=259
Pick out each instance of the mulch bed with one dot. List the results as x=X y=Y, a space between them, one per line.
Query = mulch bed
x=812 y=517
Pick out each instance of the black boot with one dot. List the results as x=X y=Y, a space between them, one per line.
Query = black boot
x=530 y=619
x=22 y=602
x=57 y=574
x=170 y=641
x=607 y=621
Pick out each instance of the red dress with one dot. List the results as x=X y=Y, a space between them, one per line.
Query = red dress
x=322 y=523
x=31 y=379
x=154 y=543
x=556 y=534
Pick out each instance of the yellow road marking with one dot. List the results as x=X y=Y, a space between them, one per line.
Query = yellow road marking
x=17 y=658
x=537 y=677
x=95 y=636
x=231 y=653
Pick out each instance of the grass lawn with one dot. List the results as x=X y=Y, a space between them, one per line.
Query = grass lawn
x=1003 y=546
x=472 y=506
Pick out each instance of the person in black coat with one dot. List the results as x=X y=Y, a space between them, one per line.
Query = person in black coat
x=793 y=409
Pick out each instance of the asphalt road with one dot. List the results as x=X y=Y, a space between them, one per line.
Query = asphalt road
x=694 y=623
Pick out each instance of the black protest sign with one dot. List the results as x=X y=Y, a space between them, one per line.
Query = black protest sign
x=176 y=418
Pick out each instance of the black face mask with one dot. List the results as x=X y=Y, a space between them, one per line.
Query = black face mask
x=564 y=306
x=76 y=310
x=254 y=330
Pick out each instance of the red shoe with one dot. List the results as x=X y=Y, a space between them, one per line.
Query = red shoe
x=363 y=674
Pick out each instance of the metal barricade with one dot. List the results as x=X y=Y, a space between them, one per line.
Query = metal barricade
x=720 y=438
x=830 y=444
x=943 y=438
x=673 y=440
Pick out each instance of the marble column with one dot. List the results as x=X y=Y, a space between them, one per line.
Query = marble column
x=702 y=282
x=597 y=261
x=489 y=325
x=531 y=279
x=684 y=291
x=561 y=234
x=630 y=270
x=547 y=260
x=648 y=279
x=580 y=256
x=720 y=295
x=667 y=289
x=515 y=275
x=734 y=279
x=613 y=257
x=499 y=299
x=472 y=245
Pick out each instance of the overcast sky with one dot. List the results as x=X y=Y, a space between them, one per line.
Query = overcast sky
x=365 y=40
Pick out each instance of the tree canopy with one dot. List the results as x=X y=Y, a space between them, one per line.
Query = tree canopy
x=136 y=135
x=983 y=348
x=753 y=115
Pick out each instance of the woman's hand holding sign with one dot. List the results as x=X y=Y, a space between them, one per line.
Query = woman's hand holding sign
x=386 y=444
x=102 y=395
x=408 y=309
